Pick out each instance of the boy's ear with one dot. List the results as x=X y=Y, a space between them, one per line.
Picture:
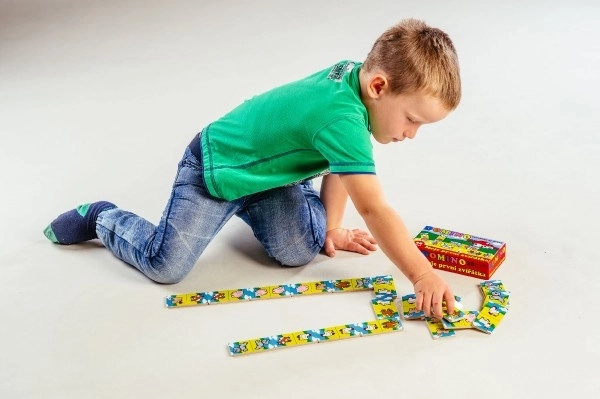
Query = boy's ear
x=377 y=84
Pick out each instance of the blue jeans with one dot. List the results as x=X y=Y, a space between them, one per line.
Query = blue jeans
x=288 y=221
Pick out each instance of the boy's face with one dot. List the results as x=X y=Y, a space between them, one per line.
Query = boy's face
x=394 y=117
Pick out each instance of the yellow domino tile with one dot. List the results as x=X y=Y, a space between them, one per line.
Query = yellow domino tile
x=267 y=294
x=489 y=317
x=344 y=285
x=360 y=329
x=362 y=283
x=314 y=288
x=288 y=290
x=464 y=323
x=458 y=313
x=437 y=329
x=501 y=298
x=198 y=298
x=384 y=285
x=272 y=342
x=345 y=331
x=491 y=285
x=286 y=339
x=372 y=327
x=390 y=325
x=247 y=294
x=409 y=308
x=177 y=301
x=304 y=337
x=213 y=297
x=241 y=348
x=321 y=287
x=385 y=309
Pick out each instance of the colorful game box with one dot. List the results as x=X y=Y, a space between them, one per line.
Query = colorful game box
x=461 y=253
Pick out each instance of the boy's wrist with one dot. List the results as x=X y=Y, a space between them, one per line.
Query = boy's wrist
x=415 y=278
x=419 y=268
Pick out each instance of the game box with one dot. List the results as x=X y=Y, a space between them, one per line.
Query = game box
x=461 y=253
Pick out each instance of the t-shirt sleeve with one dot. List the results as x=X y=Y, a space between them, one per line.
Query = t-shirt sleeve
x=346 y=144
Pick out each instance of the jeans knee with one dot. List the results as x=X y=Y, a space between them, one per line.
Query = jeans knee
x=167 y=279
x=296 y=256
x=168 y=274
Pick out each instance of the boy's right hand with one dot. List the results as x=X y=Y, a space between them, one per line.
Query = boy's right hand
x=356 y=240
x=431 y=290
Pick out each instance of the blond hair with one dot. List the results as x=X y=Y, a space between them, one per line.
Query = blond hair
x=416 y=57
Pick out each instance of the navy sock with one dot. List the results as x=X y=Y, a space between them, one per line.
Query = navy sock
x=76 y=225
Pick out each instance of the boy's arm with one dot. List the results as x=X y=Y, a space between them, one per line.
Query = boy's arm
x=334 y=197
x=394 y=239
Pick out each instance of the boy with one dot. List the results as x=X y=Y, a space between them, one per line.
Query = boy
x=257 y=162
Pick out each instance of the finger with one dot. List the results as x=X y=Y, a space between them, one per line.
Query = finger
x=368 y=244
x=427 y=304
x=449 y=297
x=356 y=247
x=419 y=302
x=365 y=235
x=329 y=248
x=370 y=238
x=362 y=246
x=436 y=304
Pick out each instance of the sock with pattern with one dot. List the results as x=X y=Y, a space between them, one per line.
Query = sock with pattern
x=76 y=225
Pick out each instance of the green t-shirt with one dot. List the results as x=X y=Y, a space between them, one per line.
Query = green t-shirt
x=294 y=132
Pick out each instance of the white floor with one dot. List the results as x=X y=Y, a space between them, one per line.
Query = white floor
x=98 y=100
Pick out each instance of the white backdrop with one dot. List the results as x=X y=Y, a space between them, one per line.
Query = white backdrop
x=97 y=102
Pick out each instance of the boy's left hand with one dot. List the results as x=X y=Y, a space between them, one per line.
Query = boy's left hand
x=349 y=240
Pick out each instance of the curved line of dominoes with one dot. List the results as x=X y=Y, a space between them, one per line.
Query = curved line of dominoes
x=386 y=311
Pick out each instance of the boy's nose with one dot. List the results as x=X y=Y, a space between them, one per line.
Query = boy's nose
x=410 y=133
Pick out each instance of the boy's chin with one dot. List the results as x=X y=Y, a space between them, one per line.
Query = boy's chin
x=382 y=140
